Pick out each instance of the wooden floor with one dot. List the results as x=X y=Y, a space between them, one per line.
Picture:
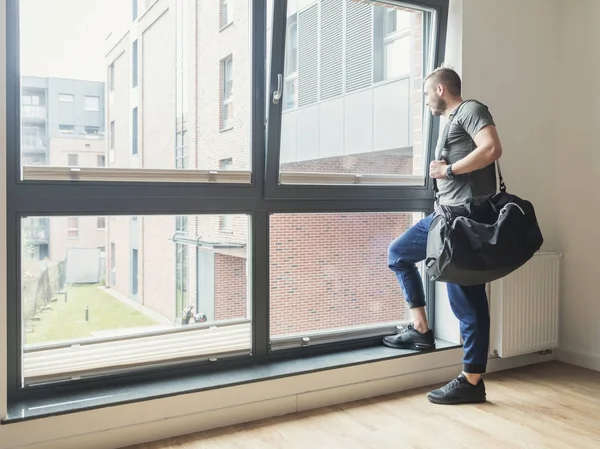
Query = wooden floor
x=551 y=405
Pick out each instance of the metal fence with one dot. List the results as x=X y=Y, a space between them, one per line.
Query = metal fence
x=38 y=292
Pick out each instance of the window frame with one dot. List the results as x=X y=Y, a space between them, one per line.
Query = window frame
x=135 y=63
x=66 y=98
x=302 y=190
x=85 y=104
x=258 y=199
x=225 y=15
x=225 y=101
x=134 y=131
x=74 y=229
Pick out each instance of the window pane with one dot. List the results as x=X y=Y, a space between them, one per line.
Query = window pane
x=330 y=271
x=174 y=64
x=353 y=102
x=162 y=275
x=92 y=103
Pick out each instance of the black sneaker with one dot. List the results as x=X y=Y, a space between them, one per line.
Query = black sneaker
x=410 y=338
x=458 y=391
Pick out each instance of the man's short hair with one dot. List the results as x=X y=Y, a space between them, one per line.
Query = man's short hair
x=448 y=78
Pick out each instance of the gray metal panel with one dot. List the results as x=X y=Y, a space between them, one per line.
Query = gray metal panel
x=289 y=137
x=34 y=82
x=392 y=115
x=359 y=122
x=133 y=245
x=308 y=133
x=83 y=266
x=359 y=45
x=308 y=62
x=331 y=55
x=331 y=128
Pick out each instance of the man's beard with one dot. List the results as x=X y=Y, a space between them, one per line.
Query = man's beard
x=439 y=107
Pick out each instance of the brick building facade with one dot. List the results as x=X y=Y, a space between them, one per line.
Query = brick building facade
x=184 y=66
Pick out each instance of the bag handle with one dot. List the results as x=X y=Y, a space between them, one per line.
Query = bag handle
x=444 y=157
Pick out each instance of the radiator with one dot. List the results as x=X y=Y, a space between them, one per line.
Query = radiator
x=524 y=308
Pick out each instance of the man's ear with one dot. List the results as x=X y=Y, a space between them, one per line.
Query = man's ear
x=439 y=89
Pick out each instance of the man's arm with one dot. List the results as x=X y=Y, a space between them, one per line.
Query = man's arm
x=488 y=150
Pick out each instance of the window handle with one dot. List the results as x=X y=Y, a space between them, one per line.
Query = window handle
x=279 y=91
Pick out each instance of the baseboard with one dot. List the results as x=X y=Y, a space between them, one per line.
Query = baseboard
x=323 y=393
x=579 y=358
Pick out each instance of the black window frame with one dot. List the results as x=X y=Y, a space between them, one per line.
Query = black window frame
x=258 y=199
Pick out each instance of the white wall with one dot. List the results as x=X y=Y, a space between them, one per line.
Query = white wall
x=535 y=64
x=508 y=57
x=575 y=197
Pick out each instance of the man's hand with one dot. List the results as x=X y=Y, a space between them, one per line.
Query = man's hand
x=438 y=170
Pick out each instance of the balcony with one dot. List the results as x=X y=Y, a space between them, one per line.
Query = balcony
x=36 y=113
x=34 y=143
x=36 y=232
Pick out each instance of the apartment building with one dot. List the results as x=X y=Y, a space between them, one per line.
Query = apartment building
x=179 y=98
x=62 y=124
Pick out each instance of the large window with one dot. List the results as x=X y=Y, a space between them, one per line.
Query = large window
x=244 y=180
x=342 y=124
x=325 y=282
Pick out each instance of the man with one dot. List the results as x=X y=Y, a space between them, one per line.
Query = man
x=466 y=174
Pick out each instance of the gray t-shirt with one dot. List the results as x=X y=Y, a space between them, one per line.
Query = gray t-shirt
x=467 y=120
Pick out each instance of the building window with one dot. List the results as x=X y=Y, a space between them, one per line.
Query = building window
x=392 y=55
x=226 y=221
x=113 y=264
x=290 y=88
x=181 y=279
x=134 y=131
x=226 y=93
x=134 y=5
x=92 y=130
x=31 y=100
x=73 y=160
x=73 y=228
x=181 y=150
x=254 y=217
x=181 y=224
x=66 y=98
x=181 y=266
x=111 y=77
x=112 y=135
x=225 y=13
x=92 y=103
x=66 y=129
x=134 y=64
x=101 y=223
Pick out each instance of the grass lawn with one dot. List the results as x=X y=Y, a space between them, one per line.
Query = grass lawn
x=66 y=320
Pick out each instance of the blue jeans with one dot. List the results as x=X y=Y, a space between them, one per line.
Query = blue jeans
x=469 y=304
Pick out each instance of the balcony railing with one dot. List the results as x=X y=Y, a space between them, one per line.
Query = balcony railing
x=34 y=143
x=36 y=235
x=34 y=112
